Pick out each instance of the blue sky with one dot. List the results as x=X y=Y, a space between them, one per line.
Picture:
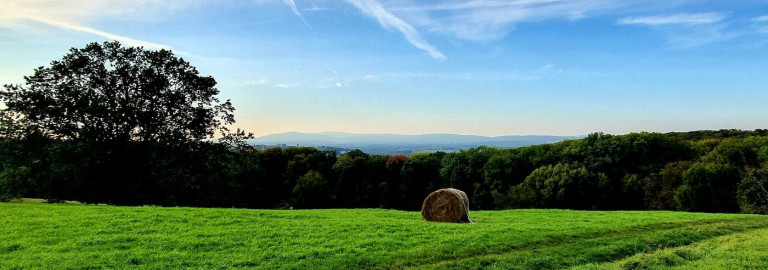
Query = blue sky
x=482 y=67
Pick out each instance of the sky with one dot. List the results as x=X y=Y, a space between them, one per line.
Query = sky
x=481 y=67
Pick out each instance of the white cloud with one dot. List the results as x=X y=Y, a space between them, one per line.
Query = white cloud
x=125 y=40
x=74 y=15
x=258 y=81
x=285 y=85
x=465 y=19
x=760 y=24
x=681 y=19
x=760 y=19
x=83 y=12
x=374 y=9
x=338 y=84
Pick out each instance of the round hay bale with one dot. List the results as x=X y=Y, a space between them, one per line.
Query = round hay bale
x=446 y=205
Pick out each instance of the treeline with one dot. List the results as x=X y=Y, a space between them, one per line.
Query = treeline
x=129 y=126
x=709 y=173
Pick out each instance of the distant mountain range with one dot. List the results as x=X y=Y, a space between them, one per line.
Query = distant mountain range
x=401 y=144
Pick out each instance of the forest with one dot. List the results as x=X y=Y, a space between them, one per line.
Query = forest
x=707 y=171
x=127 y=126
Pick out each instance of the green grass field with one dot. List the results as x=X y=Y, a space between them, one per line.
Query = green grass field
x=71 y=236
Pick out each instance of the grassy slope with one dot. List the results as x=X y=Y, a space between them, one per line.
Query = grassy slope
x=743 y=250
x=83 y=236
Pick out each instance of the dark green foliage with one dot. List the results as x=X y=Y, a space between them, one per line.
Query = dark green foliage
x=699 y=135
x=13 y=175
x=11 y=182
x=566 y=186
x=311 y=191
x=464 y=171
x=580 y=174
x=660 y=188
x=709 y=187
x=753 y=191
x=420 y=176
x=353 y=185
x=503 y=171
x=120 y=125
x=262 y=178
x=392 y=181
x=736 y=152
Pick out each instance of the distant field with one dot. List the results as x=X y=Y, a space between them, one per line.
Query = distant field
x=70 y=236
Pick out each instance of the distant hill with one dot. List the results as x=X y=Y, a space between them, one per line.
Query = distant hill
x=401 y=144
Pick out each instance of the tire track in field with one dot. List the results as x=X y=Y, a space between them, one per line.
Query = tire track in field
x=556 y=240
x=598 y=247
x=689 y=254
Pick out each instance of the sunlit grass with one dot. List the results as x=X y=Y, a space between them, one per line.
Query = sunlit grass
x=63 y=236
x=743 y=250
x=39 y=201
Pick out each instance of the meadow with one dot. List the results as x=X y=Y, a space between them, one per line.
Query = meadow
x=71 y=236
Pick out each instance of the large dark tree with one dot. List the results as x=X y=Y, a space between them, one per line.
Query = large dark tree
x=110 y=93
x=119 y=125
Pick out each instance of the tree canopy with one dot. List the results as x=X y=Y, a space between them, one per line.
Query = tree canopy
x=107 y=92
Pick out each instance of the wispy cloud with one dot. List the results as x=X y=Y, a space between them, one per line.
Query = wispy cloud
x=374 y=9
x=284 y=85
x=693 y=37
x=125 y=40
x=295 y=10
x=681 y=19
x=686 y=30
x=493 y=19
x=73 y=15
x=259 y=81
x=760 y=19
x=316 y=8
x=760 y=24
x=371 y=78
x=518 y=74
x=496 y=4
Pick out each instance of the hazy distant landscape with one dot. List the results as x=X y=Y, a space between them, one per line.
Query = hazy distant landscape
x=392 y=144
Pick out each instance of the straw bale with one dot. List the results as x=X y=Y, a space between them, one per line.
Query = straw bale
x=446 y=205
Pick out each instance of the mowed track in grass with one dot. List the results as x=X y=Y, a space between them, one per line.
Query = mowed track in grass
x=51 y=236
